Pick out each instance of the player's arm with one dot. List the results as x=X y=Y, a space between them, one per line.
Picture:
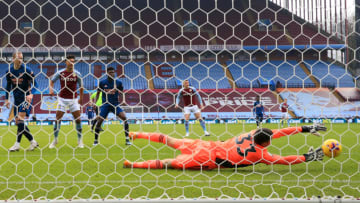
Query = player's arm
x=99 y=89
x=283 y=160
x=8 y=89
x=254 y=108
x=178 y=97
x=311 y=155
x=280 y=106
x=313 y=129
x=81 y=87
x=32 y=86
x=52 y=82
x=120 y=87
x=199 y=98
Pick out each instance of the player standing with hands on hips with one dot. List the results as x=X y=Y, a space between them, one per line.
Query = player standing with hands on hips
x=192 y=100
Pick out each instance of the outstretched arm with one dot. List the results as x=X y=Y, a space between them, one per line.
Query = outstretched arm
x=283 y=160
x=313 y=129
x=311 y=155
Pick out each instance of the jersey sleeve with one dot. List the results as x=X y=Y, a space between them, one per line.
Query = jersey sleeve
x=280 y=106
x=101 y=86
x=79 y=79
x=283 y=160
x=178 y=97
x=32 y=81
x=286 y=131
x=8 y=85
x=198 y=96
x=55 y=77
x=119 y=85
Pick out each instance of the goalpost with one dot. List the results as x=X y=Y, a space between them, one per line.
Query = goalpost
x=231 y=51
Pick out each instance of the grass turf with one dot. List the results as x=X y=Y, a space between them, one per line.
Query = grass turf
x=97 y=172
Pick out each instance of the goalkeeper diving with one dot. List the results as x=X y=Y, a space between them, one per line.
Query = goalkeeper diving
x=244 y=150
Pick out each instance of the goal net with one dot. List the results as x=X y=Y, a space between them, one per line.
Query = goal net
x=230 y=51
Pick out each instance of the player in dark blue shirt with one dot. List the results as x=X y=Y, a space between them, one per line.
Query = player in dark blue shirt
x=90 y=111
x=111 y=89
x=20 y=80
x=258 y=111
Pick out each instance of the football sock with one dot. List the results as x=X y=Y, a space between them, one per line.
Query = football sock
x=20 y=130
x=126 y=128
x=153 y=164
x=154 y=137
x=28 y=134
x=187 y=126
x=202 y=123
x=93 y=123
x=97 y=131
x=78 y=130
x=57 y=129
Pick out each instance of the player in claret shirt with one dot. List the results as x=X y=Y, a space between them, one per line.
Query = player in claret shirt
x=20 y=81
x=67 y=98
x=245 y=150
x=192 y=101
x=111 y=89
x=284 y=112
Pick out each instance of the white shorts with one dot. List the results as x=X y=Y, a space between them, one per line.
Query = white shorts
x=191 y=109
x=284 y=115
x=72 y=104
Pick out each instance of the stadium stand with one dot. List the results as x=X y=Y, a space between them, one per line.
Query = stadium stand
x=330 y=75
x=318 y=102
x=288 y=73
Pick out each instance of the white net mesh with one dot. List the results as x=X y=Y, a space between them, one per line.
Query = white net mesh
x=230 y=51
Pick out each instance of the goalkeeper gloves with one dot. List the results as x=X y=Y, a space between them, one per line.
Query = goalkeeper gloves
x=316 y=155
x=313 y=129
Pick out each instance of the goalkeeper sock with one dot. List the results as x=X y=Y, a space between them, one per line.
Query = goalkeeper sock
x=78 y=130
x=57 y=129
x=187 y=126
x=154 y=137
x=153 y=164
x=202 y=123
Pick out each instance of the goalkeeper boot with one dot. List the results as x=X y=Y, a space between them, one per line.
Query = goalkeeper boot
x=33 y=145
x=207 y=133
x=96 y=143
x=15 y=148
x=187 y=135
x=127 y=164
x=53 y=144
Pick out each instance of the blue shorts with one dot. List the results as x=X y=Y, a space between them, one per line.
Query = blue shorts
x=105 y=109
x=22 y=107
x=259 y=117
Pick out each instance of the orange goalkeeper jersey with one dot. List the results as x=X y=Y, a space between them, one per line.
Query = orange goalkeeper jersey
x=242 y=151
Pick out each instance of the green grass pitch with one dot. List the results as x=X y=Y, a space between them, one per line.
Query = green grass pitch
x=97 y=172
